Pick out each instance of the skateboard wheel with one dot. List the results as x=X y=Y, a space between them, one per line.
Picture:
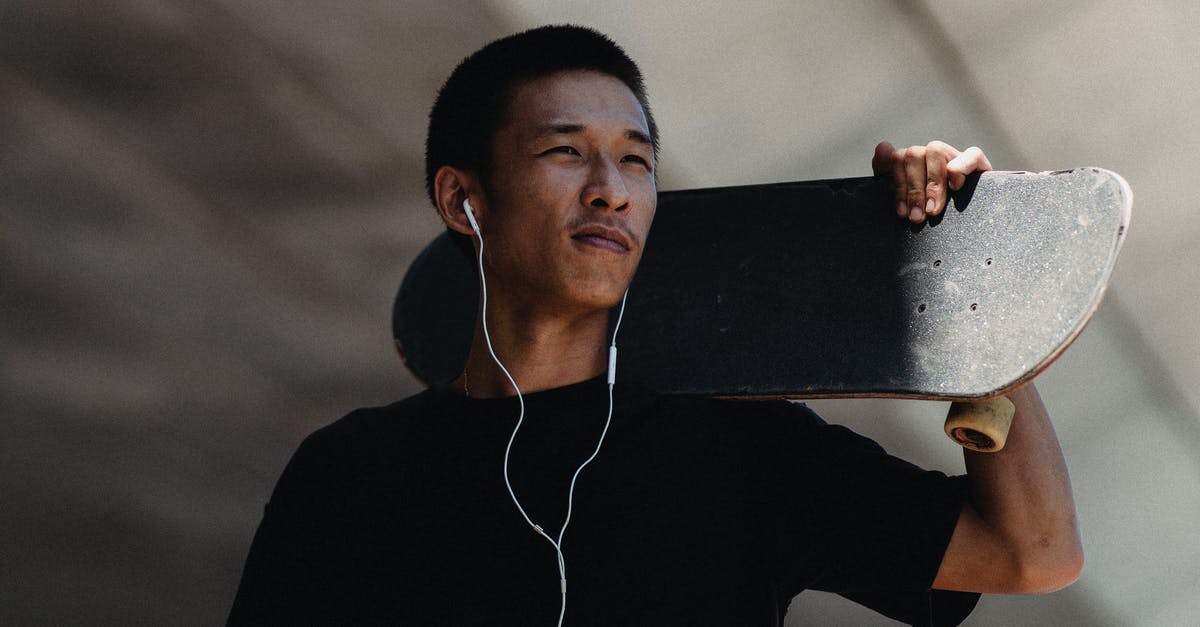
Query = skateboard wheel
x=980 y=425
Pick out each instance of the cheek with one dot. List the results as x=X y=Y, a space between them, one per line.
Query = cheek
x=646 y=227
x=645 y=219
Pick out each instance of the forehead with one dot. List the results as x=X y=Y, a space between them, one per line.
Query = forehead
x=584 y=98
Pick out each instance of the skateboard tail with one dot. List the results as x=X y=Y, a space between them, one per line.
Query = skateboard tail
x=1105 y=184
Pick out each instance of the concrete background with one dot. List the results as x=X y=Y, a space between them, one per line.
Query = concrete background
x=206 y=206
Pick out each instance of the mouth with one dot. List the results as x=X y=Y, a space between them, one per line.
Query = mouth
x=603 y=237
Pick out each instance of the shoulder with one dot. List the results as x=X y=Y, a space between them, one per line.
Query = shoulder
x=766 y=433
x=754 y=410
x=367 y=424
x=786 y=421
x=780 y=432
x=329 y=453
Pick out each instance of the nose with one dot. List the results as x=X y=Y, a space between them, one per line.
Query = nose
x=605 y=188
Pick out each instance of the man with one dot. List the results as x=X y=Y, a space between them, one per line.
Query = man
x=530 y=489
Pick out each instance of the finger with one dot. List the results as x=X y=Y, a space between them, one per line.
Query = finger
x=937 y=154
x=900 y=180
x=970 y=160
x=914 y=172
x=881 y=163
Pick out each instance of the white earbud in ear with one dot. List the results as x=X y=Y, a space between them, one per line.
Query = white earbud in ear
x=471 y=216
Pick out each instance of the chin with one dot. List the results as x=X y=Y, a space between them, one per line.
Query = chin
x=605 y=296
x=603 y=301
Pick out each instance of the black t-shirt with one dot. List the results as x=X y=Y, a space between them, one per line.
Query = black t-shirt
x=696 y=511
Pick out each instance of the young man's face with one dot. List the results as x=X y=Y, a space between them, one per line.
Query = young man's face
x=572 y=191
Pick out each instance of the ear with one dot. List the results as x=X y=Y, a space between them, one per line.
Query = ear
x=451 y=186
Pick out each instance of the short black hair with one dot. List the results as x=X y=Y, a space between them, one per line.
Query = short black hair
x=473 y=104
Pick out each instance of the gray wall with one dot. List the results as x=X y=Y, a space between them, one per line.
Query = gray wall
x=205 y=208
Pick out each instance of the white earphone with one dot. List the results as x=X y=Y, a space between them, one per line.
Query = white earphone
x=612 y=376
x=471 y=218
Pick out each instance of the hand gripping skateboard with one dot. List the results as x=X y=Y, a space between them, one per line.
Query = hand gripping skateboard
x=816 y=290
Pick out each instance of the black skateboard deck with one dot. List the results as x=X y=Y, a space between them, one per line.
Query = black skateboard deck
x=816 y=289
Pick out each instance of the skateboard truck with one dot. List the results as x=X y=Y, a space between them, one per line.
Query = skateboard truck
x=980 y=425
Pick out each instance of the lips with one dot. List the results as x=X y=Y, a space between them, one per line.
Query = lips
x=605 y=237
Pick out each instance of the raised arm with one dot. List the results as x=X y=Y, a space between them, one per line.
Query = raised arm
x=1018 y=532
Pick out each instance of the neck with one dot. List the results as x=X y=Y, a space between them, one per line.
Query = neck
x=540 y=351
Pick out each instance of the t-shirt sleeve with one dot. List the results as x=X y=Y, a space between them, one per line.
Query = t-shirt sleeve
x=290 y=558
x=866 y=525
x=929 y=608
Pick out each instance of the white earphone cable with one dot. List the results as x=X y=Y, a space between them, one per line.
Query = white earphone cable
x=612 y=360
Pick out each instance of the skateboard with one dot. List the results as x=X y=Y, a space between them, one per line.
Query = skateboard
x=816 y=290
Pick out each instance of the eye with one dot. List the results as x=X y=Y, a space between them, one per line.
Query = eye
x=566 y=150
x=638 y=159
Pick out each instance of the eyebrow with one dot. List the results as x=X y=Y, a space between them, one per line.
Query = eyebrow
x=569 y=129
x=639 y=137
